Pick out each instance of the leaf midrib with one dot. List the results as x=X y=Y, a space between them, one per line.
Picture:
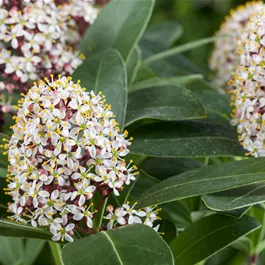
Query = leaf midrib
x=205 y=236
x=197 y=181
x=113 y=246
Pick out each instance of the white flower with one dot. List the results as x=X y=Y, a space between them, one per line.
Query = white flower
x=58 y=163
x=62 y=233
x=224 y=60
x=82 y=212
x=248 y=95
x=42 y=36
x=128 y=215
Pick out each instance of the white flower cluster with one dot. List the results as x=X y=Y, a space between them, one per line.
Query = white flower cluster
x=128 y=215
x=38 y=38
x=248 y=97
x=81 y=8
x=65 y=148
x=224 y=59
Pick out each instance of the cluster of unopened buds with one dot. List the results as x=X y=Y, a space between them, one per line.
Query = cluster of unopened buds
x=66 y=148
x=40 y=37
x=224 y=58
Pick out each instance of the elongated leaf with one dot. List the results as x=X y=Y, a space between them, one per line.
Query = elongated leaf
x=236 y=198
x=106 y=72
x=120 y=26
x=174 y=66
x=163 y=34
x=11 y=250
x=128 y=245
x=217 y=106
x=222 y=257
x=163 y=103
x=133 y=64
x=208 y=236
x=171 y=166
x=237 y=213
x=13 y=229
x=159 y=37
x=33 y=248
x=180 y=49
x=185 y=139
x=205 y=180
x=174 y=81
x=175 y=211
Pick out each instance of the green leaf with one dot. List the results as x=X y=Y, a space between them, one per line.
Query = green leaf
x=106 y=72
x=163 y=103
x=185 y=139
x=133 y=65
x=217 y=106
x=3 y=172
x=160 y=37
x=120 y=25
x=175 y=211
x=163 y=34
x=222 y=257
x=33 y=248
x=237 y=213
x=128 y=245
x=173 y=81
x=236 y=198
x=11 y=251
x=208 y=236
x=243 y=244
x=180 y=49
x=171 y=166
x=205 y=180
x=13 y=229
x=16 y=251
x=174 y=66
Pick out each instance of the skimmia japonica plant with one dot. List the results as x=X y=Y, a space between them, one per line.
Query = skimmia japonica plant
x=120 y=149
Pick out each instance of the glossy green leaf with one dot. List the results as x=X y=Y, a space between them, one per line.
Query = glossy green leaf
x=106 y=72
x=217 y=106
x=205 y=180
x=171 y=166
x=11 y=251
x=173 y=81
x=13 y=229
x=163 y=34
x=180 y=49
x=128 y=245
x=236 y=198
x=208 y=236
x=173 y=66
x=185 y=139
x=159 y=37
x=120 y=25
x=16 y=251
x=222 y=257
x=133 y=65
x=237 y=213
x=163 y=103
x=33 y=248
x=175 y=211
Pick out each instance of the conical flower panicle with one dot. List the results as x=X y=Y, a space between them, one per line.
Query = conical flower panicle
x=248 y=97
x=38 y=38
x=224 y=59
x=65 y=148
